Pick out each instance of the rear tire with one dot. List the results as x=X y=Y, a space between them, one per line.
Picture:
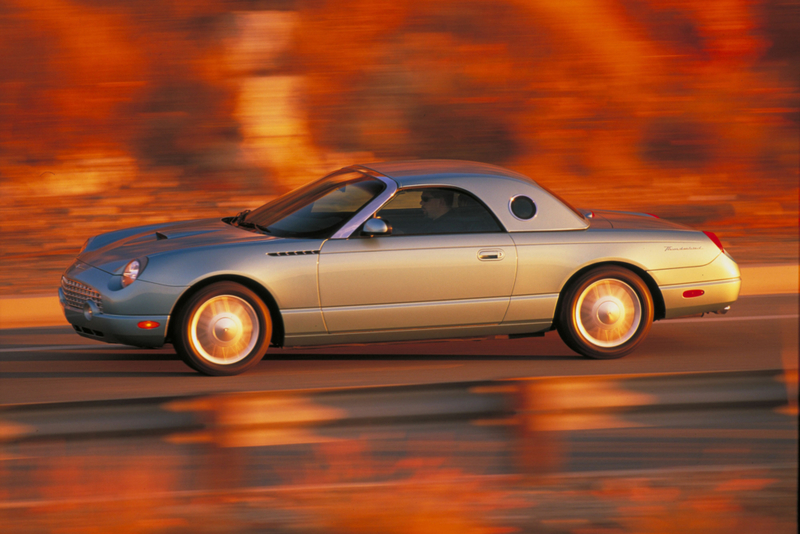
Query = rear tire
x=224 y=329
x=606 y=313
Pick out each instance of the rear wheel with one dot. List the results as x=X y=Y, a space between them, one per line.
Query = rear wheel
x=224 y=329
x=606 y=313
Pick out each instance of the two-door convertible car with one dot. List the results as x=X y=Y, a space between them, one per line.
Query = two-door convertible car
x=394 y=252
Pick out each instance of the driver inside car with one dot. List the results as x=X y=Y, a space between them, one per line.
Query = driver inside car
x=437 y=205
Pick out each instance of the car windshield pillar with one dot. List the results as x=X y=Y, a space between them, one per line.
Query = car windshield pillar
x=323 y=208
x=369 y=210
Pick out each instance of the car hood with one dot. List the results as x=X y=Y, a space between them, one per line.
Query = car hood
x=112 y=251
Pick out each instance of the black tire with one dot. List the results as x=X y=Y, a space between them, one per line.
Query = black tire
x=224 y=329
x=605 y=313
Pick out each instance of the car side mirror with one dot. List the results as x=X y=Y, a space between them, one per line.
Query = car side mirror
x=376 y=226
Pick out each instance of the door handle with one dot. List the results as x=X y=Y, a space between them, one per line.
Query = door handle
x=493 y=254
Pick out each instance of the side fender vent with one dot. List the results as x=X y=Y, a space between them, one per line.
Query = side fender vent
x=294 y=253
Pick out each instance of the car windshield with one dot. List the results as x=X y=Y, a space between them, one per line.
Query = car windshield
x=317 y=209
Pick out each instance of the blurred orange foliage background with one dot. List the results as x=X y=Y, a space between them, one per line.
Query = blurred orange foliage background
x=115 y=114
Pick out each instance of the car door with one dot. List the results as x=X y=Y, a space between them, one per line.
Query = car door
x=418 y=277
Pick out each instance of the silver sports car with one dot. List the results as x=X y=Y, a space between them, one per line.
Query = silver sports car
x=393 y=252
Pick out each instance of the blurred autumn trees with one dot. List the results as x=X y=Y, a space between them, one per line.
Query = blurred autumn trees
x=571 y=88
x=623 y=104
x=139 y=79
x=606 y=91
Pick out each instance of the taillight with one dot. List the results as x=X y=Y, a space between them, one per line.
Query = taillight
x=713 y=237
x=653 y=215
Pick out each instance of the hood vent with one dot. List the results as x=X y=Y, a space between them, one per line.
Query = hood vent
x=293 y=253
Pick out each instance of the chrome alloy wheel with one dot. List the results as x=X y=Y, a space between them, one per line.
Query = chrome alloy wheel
x=608 y=313
x=224 y=329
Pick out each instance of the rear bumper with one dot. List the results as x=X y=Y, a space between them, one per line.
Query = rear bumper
x=716 y=296
x=720 y=282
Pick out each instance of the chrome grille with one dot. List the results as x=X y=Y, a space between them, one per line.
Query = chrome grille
x=76 y=294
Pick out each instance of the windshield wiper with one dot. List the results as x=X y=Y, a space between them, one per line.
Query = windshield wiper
x=248 y=224
x=239 y=221
x=240 y=217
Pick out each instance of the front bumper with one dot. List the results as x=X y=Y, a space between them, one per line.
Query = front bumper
x=116 y=328
x=98 y=307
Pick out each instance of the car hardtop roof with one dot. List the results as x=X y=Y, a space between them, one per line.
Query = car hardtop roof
x=407 y=171
x=492 y=184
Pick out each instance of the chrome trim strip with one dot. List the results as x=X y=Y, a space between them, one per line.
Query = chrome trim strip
x=369 y=210
x=699 y=285
x=398 y=305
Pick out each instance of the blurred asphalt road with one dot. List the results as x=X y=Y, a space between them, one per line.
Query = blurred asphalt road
x=624 y=455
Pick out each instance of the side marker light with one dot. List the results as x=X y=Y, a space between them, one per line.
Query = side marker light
x=692 y=293
x=148 y=325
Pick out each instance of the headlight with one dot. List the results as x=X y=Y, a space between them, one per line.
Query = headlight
x=132 y=271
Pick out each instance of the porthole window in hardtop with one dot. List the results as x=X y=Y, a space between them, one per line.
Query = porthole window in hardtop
x=437 y=210
x=522 y=207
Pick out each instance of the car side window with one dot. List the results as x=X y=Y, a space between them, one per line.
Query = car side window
x=437 y=211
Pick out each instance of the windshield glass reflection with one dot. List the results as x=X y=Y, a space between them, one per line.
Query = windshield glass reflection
x=317 y=209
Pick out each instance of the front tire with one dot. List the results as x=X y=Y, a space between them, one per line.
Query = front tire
x=224 y=329
x=606 y=313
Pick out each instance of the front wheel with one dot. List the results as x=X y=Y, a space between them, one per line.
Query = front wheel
x=606 y=313
x=224 y=329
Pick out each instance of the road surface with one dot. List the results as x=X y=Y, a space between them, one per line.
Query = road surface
x=56 y=365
